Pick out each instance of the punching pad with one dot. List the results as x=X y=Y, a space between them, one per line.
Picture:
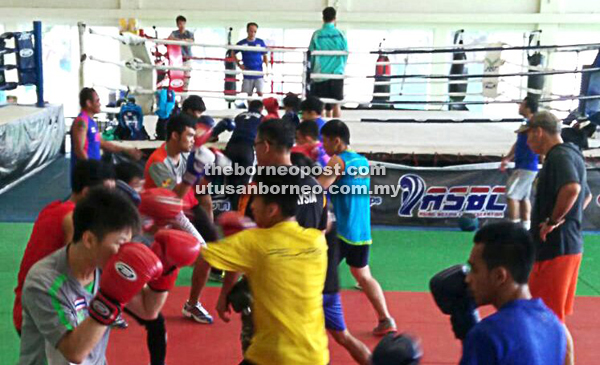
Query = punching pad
x=25 y=58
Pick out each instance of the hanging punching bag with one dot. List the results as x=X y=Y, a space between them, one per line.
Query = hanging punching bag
x=458 y=68
x=535 y=82
x=382 y=73
x=230 y=79
x=592 y=88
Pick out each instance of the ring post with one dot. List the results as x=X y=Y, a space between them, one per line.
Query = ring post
x=306 y=78
x=37 y=36
x=82 y=55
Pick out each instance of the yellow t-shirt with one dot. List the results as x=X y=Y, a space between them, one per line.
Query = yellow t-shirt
x=285 y=266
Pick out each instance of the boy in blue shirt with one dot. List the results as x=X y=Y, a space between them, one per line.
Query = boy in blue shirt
x=252 y=61
x=518 y=186
x=523 y=331
x=349 y=170
x=312 y=108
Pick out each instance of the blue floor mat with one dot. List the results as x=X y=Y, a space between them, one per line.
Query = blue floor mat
x=23 y=202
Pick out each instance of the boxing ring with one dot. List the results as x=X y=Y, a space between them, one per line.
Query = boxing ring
x=31 y=137
x=443 y=148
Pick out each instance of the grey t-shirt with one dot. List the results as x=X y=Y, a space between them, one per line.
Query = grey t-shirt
x=564 y=164
x=168 y=173
x=186 y=51
x=54 y=302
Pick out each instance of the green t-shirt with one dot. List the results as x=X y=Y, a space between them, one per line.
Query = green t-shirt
x=328 y=38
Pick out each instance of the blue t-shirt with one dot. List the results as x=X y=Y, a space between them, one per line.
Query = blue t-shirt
x=246 y=127
x=320 y=122
x=522 y=332
x=92 y=139
x=353 y=211
x=252 y=60
x=525 y=158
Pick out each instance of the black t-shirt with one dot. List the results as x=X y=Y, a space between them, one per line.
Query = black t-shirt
x=564 y=164
x=312 y=209
x=312 y=213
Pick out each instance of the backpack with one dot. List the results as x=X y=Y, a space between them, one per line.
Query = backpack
x=131 y=122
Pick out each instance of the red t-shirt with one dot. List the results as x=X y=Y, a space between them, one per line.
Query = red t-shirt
x=47 y=236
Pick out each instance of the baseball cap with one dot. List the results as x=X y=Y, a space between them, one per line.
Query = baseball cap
x=545 y=120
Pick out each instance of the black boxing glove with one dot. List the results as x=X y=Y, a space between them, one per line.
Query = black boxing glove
x=452 y=296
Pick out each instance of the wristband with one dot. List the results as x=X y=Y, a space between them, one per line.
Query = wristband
x=104 y=309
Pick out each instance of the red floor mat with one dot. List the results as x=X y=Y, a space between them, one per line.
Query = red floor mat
x=191 y=343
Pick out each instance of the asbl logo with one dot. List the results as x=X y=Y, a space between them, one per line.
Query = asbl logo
x=449 y=202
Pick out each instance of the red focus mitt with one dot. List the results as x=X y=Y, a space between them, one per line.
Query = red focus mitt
x=234 y=222
x=160 y=204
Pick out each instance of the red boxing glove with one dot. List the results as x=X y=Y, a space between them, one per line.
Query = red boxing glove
x=160 y=204
x=123 y=277
x=203 y=134
x=175 y=249
x=234 y=222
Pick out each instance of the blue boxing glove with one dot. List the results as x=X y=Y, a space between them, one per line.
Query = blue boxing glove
x=197 y=162
x=452 y=296
x=130 y=192
x=207 y=120
x=226 y=124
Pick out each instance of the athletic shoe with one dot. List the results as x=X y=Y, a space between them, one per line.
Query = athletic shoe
x=216 y=276
x=385 y=326
x=197 y=313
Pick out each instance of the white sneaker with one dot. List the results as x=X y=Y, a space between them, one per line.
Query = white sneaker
x=197 y=313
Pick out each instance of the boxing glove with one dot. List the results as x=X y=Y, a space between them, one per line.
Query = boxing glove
x=129 y=191
x=160 y=204
x=402 y=349
x=225 y=124
x=175 y=249
x=197 y=162
x=203 y=134
x=240 y=297
x=122 y=278
x=452 y=296
x=233 y=222
x=207 y=120
x=220 y=159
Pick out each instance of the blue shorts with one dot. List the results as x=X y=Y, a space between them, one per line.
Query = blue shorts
x=355 y=255
x=334 y=314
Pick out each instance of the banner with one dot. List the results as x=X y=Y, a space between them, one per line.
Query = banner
x=491 y=67
x=437 y=197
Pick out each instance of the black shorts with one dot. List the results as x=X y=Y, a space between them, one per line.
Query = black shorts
x=330 y=89
x=356 y=256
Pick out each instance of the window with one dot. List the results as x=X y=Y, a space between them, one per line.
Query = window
x=362 y=65
x=509 y=88
x=570 y=84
